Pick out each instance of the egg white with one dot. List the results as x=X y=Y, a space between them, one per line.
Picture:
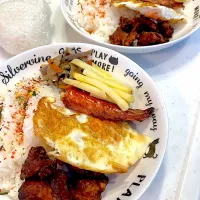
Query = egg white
x=156 y=12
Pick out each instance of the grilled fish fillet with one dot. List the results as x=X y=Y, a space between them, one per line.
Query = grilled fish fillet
x=81 y=101
x=87 y=142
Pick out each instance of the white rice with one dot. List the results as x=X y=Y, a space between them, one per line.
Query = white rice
x=100 y=20
x=10 y=166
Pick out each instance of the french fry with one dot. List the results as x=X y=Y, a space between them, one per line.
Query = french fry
x=127 y=97
x=110 y=77
x=84 y=86
x=109 y=91
x=80 y=63
x=101 y=70
x=100 y=73
x=106 y=99
x=113 y=84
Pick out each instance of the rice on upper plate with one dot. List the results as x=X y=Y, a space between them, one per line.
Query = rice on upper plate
x=99 y=18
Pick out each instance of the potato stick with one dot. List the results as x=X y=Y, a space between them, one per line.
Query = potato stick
x=84 y=86
x=111 y=78
x=80 y=63
x=101 y=70
x=110 y=83
x=84 y=65
x=128 y=97
x=106 y=99
x=109 y=91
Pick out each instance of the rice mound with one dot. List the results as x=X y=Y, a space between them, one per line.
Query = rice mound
x=99 y=18
x=13 y=153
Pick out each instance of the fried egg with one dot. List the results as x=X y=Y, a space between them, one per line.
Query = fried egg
x=153 y=11
x=86 y=142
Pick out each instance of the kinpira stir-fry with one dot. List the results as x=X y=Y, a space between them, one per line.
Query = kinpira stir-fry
x=102 y=91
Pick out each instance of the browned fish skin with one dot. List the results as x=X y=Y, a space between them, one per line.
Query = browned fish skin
x=82 y=102
x=167 y=3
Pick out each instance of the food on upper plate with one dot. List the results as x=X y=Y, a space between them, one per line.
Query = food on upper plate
x=142 y=30
x=100 y=19
x=167 y=3
x=75 y=137
x=61 y=185
x=81 y=173
x=160 y=10
x=82 y=102
x=24 y=25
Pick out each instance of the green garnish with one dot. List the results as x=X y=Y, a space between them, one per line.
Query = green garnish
x=3 y=193
x=20 y=99
x=34 y=93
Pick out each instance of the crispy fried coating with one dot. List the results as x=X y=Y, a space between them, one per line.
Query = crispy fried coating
x=147 y=24
x=81 y=173
x=118 y=37
x=143 y=30
x=165 y=29
x=150 y=38
x=36 y=190
x=59 y=185
x=88 y=189
x=126 y=24
x=37 y=163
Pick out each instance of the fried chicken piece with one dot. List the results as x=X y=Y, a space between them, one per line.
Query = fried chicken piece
x=81 y=173
x=88 y=189
x=118 y=37
x=35 y=190
x=133 y=34
x=37 y=163
x=126 y=24
x=59 y=185
x=167 y=3
x=47 y=170
x=82 y=102
x=150 y=38
x=147 y=24
x=165 y=29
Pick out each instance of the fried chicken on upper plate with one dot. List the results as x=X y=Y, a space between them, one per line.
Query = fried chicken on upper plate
x=147 y=31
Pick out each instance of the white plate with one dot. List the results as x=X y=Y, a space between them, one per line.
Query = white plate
x=192 y=11
x=131 y=185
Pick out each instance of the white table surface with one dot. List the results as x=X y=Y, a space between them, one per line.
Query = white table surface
x=176 y=72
